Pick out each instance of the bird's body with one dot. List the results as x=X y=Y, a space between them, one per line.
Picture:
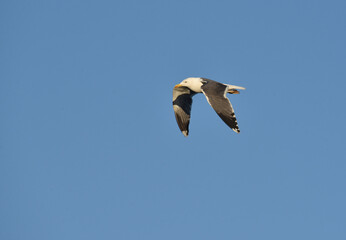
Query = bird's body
x=215 y=93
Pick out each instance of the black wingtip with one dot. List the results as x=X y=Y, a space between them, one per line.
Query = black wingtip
x=236 y=130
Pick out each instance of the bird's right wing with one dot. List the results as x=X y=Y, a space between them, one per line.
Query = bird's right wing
x=216 y=95
x=182 y=101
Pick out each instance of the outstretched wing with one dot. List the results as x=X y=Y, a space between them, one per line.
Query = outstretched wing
x=182 y=101
x=215 y=93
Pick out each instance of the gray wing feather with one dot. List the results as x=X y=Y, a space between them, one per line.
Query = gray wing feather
x=182 y=101
x=215 y=93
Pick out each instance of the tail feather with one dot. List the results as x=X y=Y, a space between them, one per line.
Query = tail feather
x=232 y=89
x=235 y=87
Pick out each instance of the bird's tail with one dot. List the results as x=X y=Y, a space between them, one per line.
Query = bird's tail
x=232 y=89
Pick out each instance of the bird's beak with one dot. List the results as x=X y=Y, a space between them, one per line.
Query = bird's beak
x=178 y=85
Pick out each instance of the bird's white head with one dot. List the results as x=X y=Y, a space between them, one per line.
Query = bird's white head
x=193 y=83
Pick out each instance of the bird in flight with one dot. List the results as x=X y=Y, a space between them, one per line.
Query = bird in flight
x=215 y=93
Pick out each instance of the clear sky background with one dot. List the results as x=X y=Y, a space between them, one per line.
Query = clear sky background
x=89 y=146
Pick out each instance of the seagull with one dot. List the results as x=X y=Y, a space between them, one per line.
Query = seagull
x=215 y=93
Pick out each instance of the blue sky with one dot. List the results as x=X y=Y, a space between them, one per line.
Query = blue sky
x=90 y=148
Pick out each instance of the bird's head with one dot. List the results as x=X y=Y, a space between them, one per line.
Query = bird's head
x=193 y=83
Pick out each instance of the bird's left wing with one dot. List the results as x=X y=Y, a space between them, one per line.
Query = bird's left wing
x=215 y=93
x=182 y=101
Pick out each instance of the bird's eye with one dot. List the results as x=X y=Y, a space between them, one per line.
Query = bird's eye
x=185 y=82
